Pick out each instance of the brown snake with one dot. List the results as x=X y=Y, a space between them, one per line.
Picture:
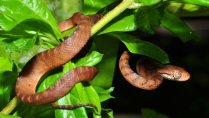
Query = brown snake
x=148 y=76
x=43 y=62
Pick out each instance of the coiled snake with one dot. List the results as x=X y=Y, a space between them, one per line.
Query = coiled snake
x=47 y=60
x=150 y=75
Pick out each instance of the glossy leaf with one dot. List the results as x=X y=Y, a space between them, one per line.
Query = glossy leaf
x=20 y=51
x=106 y=67
x=178 y=27
x=90 y=60
x=20 y=45
x=124 y=22
x=6 y=64
x=145 y=48
x=13 y=12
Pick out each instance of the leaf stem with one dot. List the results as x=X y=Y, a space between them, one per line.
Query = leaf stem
x=10 y=106
x=110 y=15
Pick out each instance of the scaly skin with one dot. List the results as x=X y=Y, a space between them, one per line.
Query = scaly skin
x=150 y=75
x=43 y=62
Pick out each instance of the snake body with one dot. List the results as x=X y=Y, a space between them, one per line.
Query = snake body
x=146 y=78
x=43 y=62
x=150 y=75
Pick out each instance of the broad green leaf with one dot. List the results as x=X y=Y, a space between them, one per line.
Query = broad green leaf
x=148 y=19
x=122 y=23
x=149 y=113
x=145 y=48
x=178 y=27
x=20 y=51
x=197 y=2
x=63 y=9
x=12 y=12
x=93 y=97
x=93 y=6
x=109 y=47
x=5 y=64
x=20 y=45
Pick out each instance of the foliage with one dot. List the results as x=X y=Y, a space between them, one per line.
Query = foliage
x=28 y=27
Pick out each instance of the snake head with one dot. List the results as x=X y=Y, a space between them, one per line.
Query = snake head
x=174 y=73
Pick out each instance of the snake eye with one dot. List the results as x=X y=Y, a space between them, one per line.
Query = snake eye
x=176 y=74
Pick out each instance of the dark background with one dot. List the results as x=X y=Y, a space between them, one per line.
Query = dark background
x=176 y=99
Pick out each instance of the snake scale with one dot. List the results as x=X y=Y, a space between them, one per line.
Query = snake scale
x=43 y=62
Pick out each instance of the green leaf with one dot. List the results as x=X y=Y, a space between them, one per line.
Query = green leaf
x=104 y=94
x=106 y=67
x=93 y=98
x=70 y=99
x=93 y=6
x=6 y=64
x=178 y=27
x=149 y=2
x=7 y=84
x=28 y=111
x=148 y=19
x=20 y=45
x=90 y=59
x=145 y=48
x=8 y=116
x=20 y=51
x=149 y=113
x=197 y=2
x=124 y=22
x=12 y=12
x=109 y=112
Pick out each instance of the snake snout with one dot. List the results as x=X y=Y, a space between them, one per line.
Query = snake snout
x=181 y=75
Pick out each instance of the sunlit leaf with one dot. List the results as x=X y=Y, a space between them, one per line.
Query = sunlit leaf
x=124 y=22
x=12 y=12
x=5 y=64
